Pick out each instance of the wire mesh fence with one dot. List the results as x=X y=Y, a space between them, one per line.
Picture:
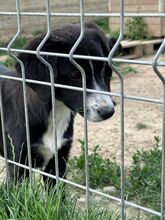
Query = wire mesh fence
x=72 y=57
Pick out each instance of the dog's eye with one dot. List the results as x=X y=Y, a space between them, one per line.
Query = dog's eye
x=75 y=74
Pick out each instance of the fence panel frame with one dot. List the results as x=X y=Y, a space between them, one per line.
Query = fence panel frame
x=71 y=56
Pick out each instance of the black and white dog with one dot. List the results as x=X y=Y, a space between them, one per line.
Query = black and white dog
x=68 y=102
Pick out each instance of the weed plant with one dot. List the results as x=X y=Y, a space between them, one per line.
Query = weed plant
x=143 y=181
x=103 y=23
x=143 y=177
x=125 y=69
x=136 y=29
x=102 y=171
x=140 y=126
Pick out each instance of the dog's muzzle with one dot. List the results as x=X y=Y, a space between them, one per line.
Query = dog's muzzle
x=99 y=107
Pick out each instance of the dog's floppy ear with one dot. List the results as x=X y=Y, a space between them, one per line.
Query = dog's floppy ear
x=112 y=42
x=34 y=68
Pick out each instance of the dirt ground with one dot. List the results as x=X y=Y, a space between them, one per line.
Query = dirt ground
x=107 y=134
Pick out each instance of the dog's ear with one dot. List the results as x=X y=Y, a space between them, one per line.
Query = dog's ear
x=34 y=68
x=112 y=42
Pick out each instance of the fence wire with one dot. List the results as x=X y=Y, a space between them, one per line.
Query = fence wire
x=71 y=56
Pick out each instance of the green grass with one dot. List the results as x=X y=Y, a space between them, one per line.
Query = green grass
x=22 y=202
x=3 y=44
x=142 y=185
x=9 y=63
x=19 y=43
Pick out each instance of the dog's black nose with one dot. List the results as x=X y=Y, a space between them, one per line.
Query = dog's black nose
x=106 y=113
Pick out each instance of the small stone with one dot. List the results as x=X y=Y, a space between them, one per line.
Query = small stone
x=109 y=189
x=98 y=198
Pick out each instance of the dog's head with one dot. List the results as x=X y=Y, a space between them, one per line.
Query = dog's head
x=98 y=73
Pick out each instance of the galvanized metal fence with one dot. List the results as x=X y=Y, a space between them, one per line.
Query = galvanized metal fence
x=71 y=56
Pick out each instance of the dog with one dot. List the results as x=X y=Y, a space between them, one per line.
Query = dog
x=68 y=102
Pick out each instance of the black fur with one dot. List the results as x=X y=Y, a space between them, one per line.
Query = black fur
x=39 y=104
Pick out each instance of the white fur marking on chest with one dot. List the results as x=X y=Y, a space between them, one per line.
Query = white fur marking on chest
x=63 y=115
